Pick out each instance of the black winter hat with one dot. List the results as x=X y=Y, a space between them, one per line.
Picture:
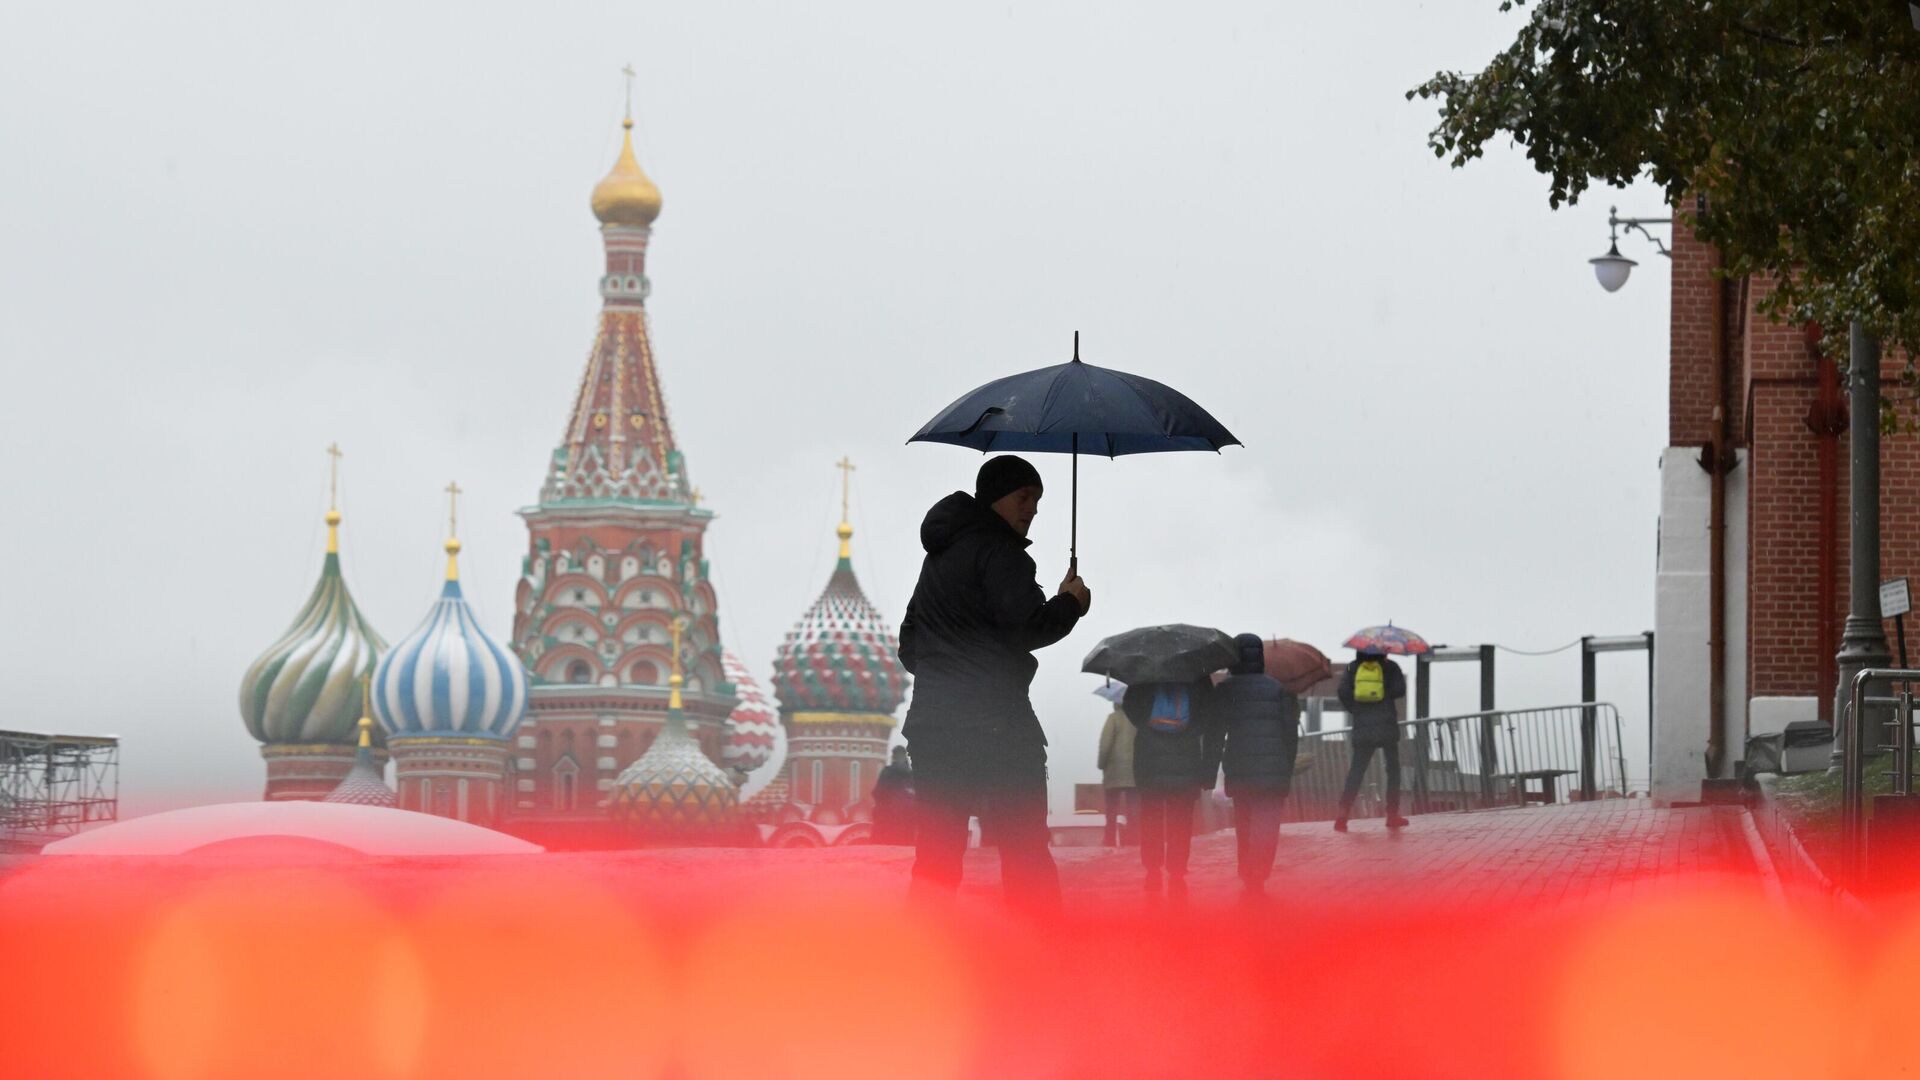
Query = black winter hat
x=1253 y=654
x=1003 y=476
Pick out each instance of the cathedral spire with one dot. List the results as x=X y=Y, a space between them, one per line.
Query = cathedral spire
x=333 y=498
x=845 y=531
x=453 y=531
x=618 y=444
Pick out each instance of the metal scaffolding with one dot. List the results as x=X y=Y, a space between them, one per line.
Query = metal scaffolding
x=52 y=785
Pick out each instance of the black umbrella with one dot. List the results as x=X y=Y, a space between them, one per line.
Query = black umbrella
x=1076 y=408
x=1175 y=652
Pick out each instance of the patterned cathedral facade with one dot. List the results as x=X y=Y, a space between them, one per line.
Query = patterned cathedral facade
x=611 y=713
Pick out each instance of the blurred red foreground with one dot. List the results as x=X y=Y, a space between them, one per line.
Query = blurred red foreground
x=1599 y=940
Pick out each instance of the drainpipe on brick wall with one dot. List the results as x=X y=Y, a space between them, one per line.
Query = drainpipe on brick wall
x=1714 y=459
x=1827 y=418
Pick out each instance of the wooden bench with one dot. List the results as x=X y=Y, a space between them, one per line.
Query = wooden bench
x=1548 y=792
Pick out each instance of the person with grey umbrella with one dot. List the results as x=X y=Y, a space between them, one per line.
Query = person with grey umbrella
x=1176 y=755
x=976 y=617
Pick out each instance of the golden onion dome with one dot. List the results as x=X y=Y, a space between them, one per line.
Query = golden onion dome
x=626 y=196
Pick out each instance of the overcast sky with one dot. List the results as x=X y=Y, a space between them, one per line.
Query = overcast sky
x=233 y=234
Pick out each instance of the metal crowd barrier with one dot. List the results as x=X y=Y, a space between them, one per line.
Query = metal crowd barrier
x=1473 y=761
x=1855 y=749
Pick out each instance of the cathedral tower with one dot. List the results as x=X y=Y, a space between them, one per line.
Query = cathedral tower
x=616 y=555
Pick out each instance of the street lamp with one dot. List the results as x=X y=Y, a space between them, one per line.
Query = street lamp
x=1611 y=269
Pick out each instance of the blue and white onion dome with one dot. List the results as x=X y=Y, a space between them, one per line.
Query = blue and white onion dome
x=449 y=677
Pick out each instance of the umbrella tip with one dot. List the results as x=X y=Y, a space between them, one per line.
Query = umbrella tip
x=1076 y=346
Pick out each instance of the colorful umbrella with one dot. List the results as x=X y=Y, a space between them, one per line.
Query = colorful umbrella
x=1296 y=664
x=1388 y=639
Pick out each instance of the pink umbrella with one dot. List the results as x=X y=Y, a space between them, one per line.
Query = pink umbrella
x=1388 y=639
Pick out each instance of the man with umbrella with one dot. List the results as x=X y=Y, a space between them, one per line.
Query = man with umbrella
x=976 y=617
x=1373 y=690
x=1176 y=749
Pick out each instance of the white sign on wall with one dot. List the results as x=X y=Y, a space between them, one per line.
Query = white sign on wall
x=1894 y=598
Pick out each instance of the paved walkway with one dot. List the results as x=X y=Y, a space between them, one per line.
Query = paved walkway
x=1538 y=855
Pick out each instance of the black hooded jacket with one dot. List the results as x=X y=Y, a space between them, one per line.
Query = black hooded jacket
x=976 y=617
x=1262 y=722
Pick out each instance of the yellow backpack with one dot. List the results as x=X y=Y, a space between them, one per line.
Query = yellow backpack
x=1370 y=682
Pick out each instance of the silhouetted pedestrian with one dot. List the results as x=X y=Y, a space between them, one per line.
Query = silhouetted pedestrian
x=976 y=617
x=1374 y=693
x=1261 y=722
x=1176 y=755
x=893 y=801
x=1116 y=779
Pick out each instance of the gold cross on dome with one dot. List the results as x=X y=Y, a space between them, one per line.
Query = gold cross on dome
x=453 y=508
x=694 y=496
x=629 y=73
x=333 y=476
x=846 y=467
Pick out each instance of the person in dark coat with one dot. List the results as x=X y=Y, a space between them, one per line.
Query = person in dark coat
x=1376 y=712
x=976 y=618
x=893 y=801
x=1260 y=720
x=1170 y=770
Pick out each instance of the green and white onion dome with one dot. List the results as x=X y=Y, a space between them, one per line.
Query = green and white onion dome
x=306 y=687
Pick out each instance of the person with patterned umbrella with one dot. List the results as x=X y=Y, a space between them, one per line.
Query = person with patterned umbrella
x=1373 y=690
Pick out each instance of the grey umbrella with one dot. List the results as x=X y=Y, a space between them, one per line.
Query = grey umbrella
x=1174 y=652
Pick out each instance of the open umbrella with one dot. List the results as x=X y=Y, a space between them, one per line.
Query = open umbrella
x=1076 y=408
x=1296 y=664
x=1396 y=640
x=1174 y=652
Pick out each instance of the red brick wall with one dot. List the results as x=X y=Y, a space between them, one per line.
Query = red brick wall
x=1772 y=385
x=1690 y=370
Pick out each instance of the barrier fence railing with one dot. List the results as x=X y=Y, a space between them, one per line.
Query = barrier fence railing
x=1473 y=761
x=1886 y=715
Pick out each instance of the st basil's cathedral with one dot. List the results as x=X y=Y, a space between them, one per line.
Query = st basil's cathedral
x=612 y=714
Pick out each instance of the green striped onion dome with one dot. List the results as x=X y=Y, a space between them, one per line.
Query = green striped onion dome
x=306 y=687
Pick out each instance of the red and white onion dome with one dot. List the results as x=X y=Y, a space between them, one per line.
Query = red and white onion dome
x=753 y=729
x=842 y=656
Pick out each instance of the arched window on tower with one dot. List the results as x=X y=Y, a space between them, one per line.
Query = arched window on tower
x=579 y=673
x=643 y=674
x=853 y=781
x=566 y=781
x=818 y=790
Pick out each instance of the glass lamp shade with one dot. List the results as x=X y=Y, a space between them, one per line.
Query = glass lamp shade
x=1611 y=269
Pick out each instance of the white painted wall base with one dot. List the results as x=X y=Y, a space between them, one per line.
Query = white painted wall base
x=1682 y=697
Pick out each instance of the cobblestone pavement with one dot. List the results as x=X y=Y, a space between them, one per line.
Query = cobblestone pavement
x=1539 y=855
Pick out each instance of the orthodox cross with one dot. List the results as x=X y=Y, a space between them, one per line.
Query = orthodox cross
x=453 y=508
x=846 y=467
x=333 y=476
x=628 y=72
x=694 y=496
